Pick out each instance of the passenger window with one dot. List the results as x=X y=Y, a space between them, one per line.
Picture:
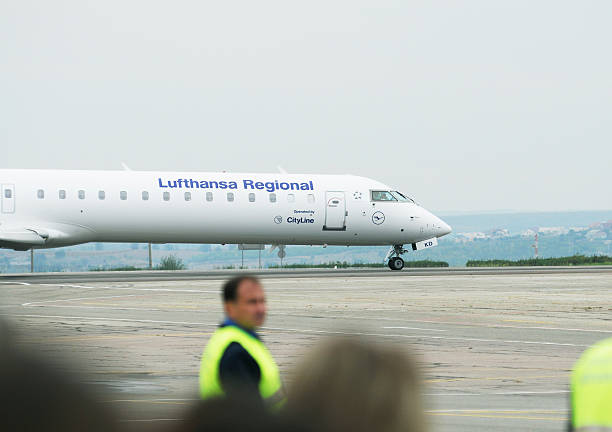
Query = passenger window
x=311 y=198
x=209 y=196
x=166 y=196
x=8 y=193
x=123 y=195
x=272 y=197
x=81 y=194
x=291 y=198
x=101 y=195
x=230 y=196
x=187 y=196
x=382 y=196
x=145 y=195
x=251 y=197
x=62 y=194
x=40 y=194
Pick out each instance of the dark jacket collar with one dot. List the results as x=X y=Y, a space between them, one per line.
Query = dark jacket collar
x=231 y=322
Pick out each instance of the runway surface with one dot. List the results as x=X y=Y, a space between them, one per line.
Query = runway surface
x=156 y=275
x=496 y=346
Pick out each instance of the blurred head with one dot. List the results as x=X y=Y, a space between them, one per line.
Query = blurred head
x=352 y=385
x=36 y=397
x=244 y=301
x=236 y=413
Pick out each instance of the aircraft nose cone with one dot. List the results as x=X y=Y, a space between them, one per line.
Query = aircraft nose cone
x=444 y=229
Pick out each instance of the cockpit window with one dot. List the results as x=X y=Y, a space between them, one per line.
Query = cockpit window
x=382 y=196
x=394 y=196
x=401 y=197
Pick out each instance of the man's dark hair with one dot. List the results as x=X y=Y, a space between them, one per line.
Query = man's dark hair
x=230 y=288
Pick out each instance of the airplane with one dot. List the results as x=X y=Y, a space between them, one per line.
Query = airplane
x=55 y=208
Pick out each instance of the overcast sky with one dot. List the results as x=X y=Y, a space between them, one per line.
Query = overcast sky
x=465 y=105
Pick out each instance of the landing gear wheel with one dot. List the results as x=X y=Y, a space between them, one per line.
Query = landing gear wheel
x=396 y=263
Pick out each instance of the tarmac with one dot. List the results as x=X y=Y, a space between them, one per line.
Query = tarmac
x=496 y=346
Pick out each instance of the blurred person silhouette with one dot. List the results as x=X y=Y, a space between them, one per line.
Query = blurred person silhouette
x=235 y=359
x=354 y=385
x=591 y=389
x=240 y=412
x=35 y=397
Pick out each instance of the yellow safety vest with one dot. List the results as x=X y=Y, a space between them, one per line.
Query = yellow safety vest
x=270 y=385
x=591 y=388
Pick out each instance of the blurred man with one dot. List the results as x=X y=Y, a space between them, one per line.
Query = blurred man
x=591 y=389
x=235 y=361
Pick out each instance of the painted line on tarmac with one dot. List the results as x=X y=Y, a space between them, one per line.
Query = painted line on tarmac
x=75 y=299
x=118 y=337
x=499 y=416
x=497 y=378
x=43 y=304
x=112 y=319
x=438 y=322
x=427 y=337
x=442 y=322
x=100 y=307
x=308 y=331
x=89 y=287
x=522 y=327
x=414 y=328
x=128 y=288
x=509 y=410
x=514 y=393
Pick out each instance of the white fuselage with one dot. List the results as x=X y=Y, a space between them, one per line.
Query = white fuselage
x=69 y=207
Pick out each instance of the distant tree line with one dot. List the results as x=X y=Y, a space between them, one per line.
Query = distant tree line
x=345 y=264
x=169 y=262
x=575 y=260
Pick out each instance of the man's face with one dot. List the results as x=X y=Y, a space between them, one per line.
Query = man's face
x=249 y=309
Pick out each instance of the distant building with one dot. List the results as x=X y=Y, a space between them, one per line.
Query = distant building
x=470 y=236
x=498 y=233
x=578 y=229
x=596 y=235
x=528 y=233
x=553 y=230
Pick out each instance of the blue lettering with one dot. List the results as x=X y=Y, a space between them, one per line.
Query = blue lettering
x=301 y=220
x=269 y=186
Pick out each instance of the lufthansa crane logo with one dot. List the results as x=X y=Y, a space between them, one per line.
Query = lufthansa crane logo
x=378 y=217
x=278 y=219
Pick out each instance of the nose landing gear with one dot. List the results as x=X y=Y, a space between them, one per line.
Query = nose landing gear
x=395 y=261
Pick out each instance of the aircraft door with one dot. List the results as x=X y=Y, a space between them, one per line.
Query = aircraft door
x=335 y=211
x=8 y=198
